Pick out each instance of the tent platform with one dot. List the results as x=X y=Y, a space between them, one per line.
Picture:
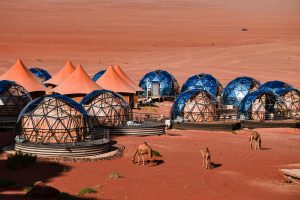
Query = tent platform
x=271 y=124
x=138 y=130
x=67 y=150
x=292 y=175
x=210 y=126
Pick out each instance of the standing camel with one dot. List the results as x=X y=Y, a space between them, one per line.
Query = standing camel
x=206 y=158
x=255 y=137
x=143 y=149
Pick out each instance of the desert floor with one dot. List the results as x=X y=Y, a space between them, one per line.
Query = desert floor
x=185 y=38
x=240 y=173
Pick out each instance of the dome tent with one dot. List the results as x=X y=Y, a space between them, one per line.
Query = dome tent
x=203 y=81
x=291 y=97
x=13 y=98
x=275 y=86
x=106 y=108
x=42 y=74
x=53 y=119
x=237 y=89
x=262 y=104
x=98 y=75
x=159 y=83
x=195 y=105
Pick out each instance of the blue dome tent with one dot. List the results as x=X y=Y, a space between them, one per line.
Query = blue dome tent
x=237 y=89
x=53 y=119
x=195 y=105
x=275 y=86
x=205 y=82
x=261 y=105
x=159 y=83
x=106 y=107
x=98 y=75
x=40 y=73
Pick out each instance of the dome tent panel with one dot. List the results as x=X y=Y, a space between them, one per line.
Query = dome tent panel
x=53 y=119
x=195 y=105
x=98 y=75
x=40 y=73
x=237 y=89
x=13 y=98
x=291 y=97
x=275 y=86
x=205 y=82
x=106 y=108
x=262 y=105
x=159 y=83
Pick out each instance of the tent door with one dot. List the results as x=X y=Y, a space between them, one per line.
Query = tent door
x=155 y=90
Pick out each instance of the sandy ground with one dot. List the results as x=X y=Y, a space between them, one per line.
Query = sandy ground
x=183 y=37
x=241 y=173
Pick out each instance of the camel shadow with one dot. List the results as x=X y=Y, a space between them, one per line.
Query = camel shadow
x=265 y=149
x=158 y=162
x=215 y=165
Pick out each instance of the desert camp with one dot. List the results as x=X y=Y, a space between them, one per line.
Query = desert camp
x=149 y=99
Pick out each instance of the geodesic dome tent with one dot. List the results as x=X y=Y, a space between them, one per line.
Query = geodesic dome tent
x=13 y=98
x=98 y=75
x=262 y=105
x=40 y=73
x=205 y=82
x=159 y=83
x=53 y=119
x=195 y=105
x=291 y=97
x=106 y=107
x=237 y=89
x=275 y=86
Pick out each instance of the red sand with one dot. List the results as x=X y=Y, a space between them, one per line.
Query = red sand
x=187 y=38
x=243 y=174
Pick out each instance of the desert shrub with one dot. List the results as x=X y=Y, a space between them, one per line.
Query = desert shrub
x=115 y=175
x=86 y=190
x=244 y=29
x=156 y=153
x=4 y=183
x=20 y=160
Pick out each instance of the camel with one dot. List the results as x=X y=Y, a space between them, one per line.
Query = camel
x=142 y=150
x=255 y=137
x=206 y=158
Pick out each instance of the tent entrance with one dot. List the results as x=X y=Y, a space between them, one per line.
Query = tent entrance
x=155 y=89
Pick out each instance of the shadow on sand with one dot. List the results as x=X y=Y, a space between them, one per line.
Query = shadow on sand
x=215 y=165
x=13 y=181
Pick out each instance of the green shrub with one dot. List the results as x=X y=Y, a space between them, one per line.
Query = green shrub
x=20 y=160
x=4 y=183
x=86 y=190
x=156 y=153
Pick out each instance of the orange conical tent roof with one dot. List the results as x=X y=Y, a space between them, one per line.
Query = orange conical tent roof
x=20 y=74
x=60 y=76
x=126 y=78
x=111 y=80
x=77 y=83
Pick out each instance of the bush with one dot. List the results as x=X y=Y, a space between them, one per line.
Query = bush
x=4 y=183
x=115 y=175
x=20 y=160
x=244 y=29
x=86 y=190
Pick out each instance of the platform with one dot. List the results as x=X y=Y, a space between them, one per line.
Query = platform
x=77 y=150
x=210 y=126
